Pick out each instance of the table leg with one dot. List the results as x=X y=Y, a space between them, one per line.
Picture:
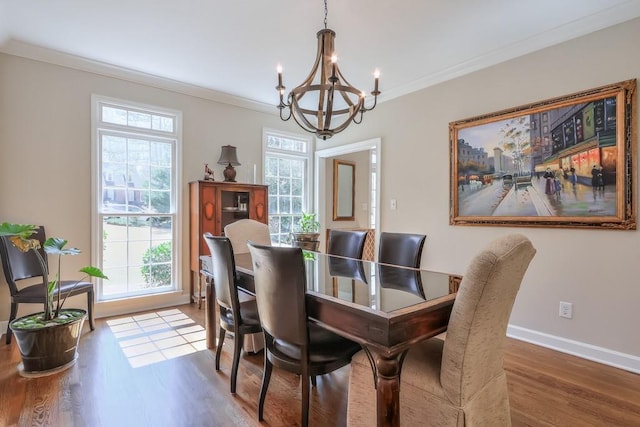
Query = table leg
x=388 y=389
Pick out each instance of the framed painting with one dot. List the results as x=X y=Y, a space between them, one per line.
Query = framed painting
x=562 y=162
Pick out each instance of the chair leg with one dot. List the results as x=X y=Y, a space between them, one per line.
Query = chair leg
x=221 y=334
x=305 y=393
x=266 y=376
x=90 y=309
x=314 y=383
x=12 y=316
x=237 y=349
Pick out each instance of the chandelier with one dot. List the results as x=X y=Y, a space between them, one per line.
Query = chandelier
x=325 y=103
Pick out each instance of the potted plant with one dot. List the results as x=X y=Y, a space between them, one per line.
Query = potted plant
x=307 y=237
x=47 y=340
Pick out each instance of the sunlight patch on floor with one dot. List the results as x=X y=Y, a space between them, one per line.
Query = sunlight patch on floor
x=155 y=337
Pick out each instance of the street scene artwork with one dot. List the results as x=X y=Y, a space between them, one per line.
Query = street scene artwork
x=564 y=162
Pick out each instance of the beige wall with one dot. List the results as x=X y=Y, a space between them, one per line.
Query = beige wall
x=44 y=120
x=45 y=156
x=597 y=270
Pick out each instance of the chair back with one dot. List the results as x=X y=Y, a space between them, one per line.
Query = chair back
x=403 y=279
x=401 y=249
x=280 y=282
x=243 y=230
x=18 y=265
x=349 y=268
x=473 y=349
x=224 y=268
x=346 y=243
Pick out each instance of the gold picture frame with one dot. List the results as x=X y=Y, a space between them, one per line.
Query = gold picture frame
x=344 y=190
x=563 y=162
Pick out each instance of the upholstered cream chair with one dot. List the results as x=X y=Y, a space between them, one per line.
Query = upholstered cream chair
x=243 y=230
x=458 y=381
x=239 y=233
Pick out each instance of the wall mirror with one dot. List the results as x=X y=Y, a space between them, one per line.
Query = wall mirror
x=344 y=173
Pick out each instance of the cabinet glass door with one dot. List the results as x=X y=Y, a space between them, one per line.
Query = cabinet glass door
x=235 y=206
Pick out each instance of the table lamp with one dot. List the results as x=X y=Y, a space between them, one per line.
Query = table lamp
x=229 y=157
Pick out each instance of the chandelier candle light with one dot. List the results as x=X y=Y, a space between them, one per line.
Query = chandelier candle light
x=332 y=103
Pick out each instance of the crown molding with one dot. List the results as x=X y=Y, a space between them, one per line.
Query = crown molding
x=42 y=54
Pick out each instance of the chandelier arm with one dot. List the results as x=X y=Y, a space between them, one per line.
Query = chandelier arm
x=290 y=113
x=375 y=102
x=361 y=115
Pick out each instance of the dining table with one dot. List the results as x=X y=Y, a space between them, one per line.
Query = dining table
x=384 y=308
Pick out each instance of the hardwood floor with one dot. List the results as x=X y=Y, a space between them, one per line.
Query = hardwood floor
x=153 y=369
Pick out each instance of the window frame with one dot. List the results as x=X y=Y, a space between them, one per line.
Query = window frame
x=98 y=127
x=307 y=199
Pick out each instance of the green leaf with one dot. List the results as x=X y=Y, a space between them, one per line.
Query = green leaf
x=94 y=272
x=22 y=230
x=51 y=286
x=55 y=246
x=19 y=235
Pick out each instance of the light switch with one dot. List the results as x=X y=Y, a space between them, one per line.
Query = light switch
x=364 y=207
x=394 y=204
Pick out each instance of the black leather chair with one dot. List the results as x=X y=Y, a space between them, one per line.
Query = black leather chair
x=401 y=249
x=292 y=342
x=403 y=279
x=19 y=266
x=346 y=243
x=238 y=316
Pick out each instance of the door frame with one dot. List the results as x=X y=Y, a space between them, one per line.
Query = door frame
x=320 y=176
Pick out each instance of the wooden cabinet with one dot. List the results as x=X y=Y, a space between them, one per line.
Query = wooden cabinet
x=213 y=205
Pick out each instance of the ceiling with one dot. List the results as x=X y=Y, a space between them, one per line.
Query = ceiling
x=233 y=46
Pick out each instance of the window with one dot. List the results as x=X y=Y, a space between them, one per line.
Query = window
x=136 y=152
x=287 y=172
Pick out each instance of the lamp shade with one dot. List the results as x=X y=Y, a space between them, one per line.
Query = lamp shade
x=228 y=156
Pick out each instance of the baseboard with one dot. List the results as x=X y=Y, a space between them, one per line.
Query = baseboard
x=628 y=362
x=142 y=303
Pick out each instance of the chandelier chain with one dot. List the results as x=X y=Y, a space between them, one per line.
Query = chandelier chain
x=325 y=14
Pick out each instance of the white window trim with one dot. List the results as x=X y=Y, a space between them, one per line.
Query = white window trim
x=142 y=302
x=308 y=200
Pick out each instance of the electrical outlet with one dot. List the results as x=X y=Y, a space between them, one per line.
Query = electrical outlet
x=566 y=310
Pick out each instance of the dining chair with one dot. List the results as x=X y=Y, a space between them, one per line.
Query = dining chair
x=19 y=266
x=403 y=249
x=241 y=231
x=346 y=243
x=458 y=381
x=238 y=310
x=292 y=341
